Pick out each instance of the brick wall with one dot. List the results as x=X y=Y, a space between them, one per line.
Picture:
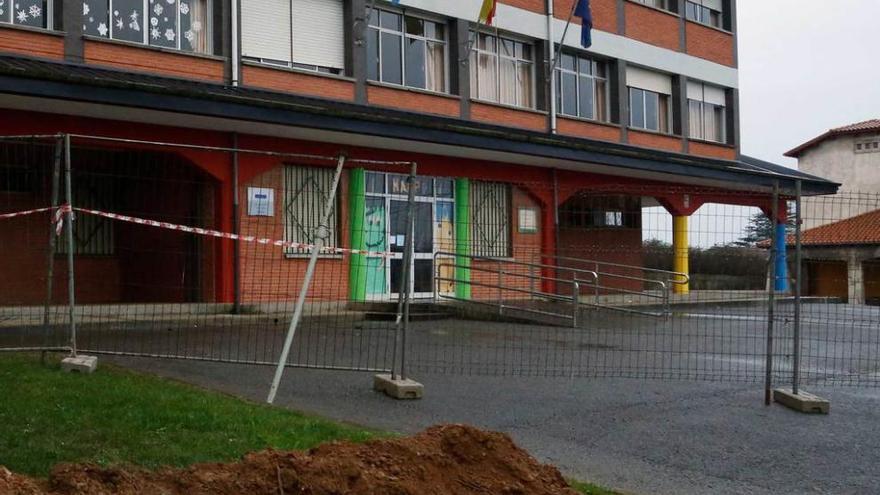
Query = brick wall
x=23 y=42
x=532 y=5
x=414 y=101
x=604 y=13
x=525 y=247
x=498 y=115
x=298 y=82
x=652 y=140
x=611 y=245
x=267 y=274
x=712 y=150
x=652 y=26
x=145 y=59
x=590 y=130
x=711 y=44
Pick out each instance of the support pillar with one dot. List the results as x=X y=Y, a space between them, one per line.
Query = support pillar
x=680 y=242
x=357 y=280
x=781 y=269
x=462 y=238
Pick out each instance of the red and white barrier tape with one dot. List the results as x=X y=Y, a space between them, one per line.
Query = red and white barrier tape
x=57 y=217
x=222 y=235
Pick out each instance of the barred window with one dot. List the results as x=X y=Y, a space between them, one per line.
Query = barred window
x=92 y=235
x=490 y=219
x=306 y=190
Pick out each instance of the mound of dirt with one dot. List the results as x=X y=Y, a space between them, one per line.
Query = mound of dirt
x=451 y=459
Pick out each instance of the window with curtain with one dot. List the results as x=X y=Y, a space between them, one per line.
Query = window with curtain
x=33 y=13
x=706 y=113
x=649 y=110
x=502 y=70
x=582 y=87
x=306 y=190
x=406 y=50
x=660 y=4
x=490 y=219
x=704 y=11
x=179 y=25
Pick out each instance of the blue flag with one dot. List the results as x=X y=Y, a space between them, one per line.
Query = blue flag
x=583 y=11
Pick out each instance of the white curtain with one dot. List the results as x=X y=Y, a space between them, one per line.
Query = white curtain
x=199 y=25
x=435 y=77
x=695 y=119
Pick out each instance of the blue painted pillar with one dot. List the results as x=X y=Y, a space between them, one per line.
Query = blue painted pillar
x=781 y=284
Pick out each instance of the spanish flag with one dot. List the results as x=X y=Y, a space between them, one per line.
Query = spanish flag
x=487 y=12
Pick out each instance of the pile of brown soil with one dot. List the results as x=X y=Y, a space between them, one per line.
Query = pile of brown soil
x=449 y=459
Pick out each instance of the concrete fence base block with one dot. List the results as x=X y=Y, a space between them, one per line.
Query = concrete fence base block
x=79 y=364
x=399 y=389
x=802 y=401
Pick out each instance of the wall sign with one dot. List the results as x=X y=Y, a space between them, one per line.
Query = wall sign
x=261 y=202
x=528 y=220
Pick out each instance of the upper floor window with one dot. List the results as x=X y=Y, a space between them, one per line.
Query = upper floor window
x=407 y=50
x=704 y=11
x=582 y=87
x=649 y=100
x=502 y=70
x=660 y=4
x=706 y=112
x=177 y=24
x=33 y=13
x=868 y=145
x=304 y=34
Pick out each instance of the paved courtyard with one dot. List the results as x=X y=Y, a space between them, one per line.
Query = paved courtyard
x=638 y=436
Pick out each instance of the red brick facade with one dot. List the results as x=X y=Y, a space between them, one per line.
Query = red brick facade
x=144 y=59
x=654 y=140
x=500 y=115
x=604 y=13
x=26 y=42
x=712 y=150
x=654 y=26
x=298 y=82
x=589 y=130
x=710 y=44
x=414 y=101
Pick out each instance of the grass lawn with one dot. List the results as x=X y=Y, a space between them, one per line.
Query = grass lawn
x=119 y=417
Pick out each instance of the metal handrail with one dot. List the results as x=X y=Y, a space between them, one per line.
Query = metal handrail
x=678 y=278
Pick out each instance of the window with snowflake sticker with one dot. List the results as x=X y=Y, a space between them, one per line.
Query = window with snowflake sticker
x=33 y=13
x=176 y=24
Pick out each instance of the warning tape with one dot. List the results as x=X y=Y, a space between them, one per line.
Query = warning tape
x=227 y=235
x=60 y=211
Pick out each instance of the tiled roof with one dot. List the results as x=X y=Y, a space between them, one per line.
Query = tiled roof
x=867 y=126
x=861 y=229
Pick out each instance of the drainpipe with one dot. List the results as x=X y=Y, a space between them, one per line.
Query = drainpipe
x=236 y=43
x=551 y=58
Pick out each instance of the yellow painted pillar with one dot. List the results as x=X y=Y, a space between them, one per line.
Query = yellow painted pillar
x=680 y=251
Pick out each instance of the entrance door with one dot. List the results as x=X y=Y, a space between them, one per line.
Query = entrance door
x=422 y=268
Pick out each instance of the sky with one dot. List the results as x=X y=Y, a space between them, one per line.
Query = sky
x=805 y=66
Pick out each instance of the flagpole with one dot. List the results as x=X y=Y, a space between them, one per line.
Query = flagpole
x=551 y=77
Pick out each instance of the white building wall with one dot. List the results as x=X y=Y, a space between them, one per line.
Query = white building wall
x=835 y=159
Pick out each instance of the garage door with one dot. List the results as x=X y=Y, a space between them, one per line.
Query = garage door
x=827 y=279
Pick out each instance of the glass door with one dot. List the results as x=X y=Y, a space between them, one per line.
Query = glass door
x=422 y=268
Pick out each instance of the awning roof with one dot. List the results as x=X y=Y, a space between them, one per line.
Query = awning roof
x=86 y=84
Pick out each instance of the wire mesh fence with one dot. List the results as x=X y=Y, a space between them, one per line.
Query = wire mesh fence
x=200 y=252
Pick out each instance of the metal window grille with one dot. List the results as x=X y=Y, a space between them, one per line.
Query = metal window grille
x=305 y=195
x=92 y=235
x=490 y=219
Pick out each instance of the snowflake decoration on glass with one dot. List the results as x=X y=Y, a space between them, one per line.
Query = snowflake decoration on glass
x=35 y=11
x=184 y=8
x=197 y=26
x=154 y=21
x=158 y=9
x=134 y=24
x=102 y=29
x=170 y=2
x=189 y=35
x=120 y=25
x=154 y=33
x=169 y=34
x=86 y=9
x=22 y=16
